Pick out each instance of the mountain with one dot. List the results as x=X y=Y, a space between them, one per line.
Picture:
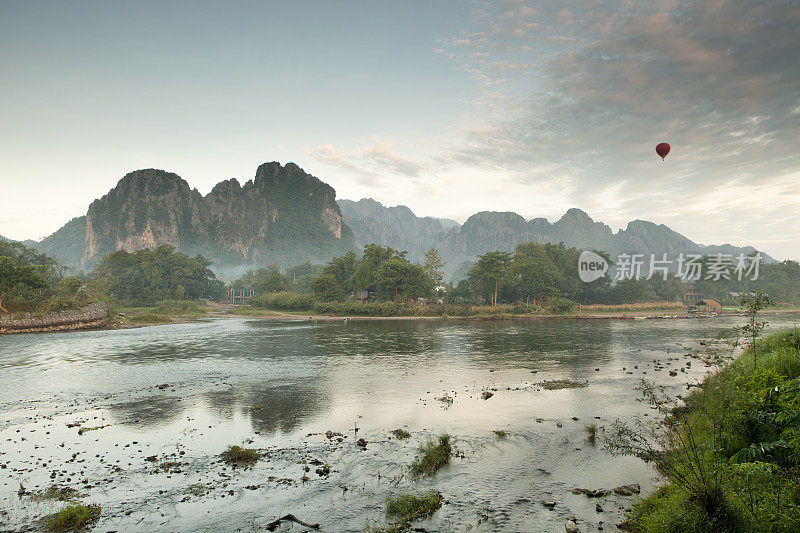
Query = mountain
x=488 y=231
x=397 y=227
x=288 y=216
x=283 y=215
x=458 y=245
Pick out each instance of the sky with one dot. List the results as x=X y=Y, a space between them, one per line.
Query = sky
x=448 y=107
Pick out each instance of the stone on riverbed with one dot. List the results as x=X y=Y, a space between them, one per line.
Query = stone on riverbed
x=571 y=527
x=628 y=490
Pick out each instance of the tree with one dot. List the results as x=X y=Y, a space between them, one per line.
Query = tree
x=149 y=275
x=268 y=279
x=371 y=260
x=533 y=273
x=14 y=277
x=491 y=272
x=326 y=288
x=398 y=278
x=755 y=302
x=433 y=264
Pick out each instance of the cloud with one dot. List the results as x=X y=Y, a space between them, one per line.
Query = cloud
x=370 y=163
x=604 y=82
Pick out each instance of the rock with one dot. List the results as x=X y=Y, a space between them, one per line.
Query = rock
x=486 y=394
x=549 y=504
x=571 y=527
x=362 y=443
x=673 y=373
x=598 y=508
x=559 y=424
x=628 y=490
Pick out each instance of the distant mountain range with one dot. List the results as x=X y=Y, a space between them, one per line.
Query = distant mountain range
x=399 y=228
x=288 y=216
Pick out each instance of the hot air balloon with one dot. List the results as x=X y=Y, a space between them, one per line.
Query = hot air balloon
x=662 y=149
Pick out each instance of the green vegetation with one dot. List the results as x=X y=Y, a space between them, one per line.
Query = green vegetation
x=238 y=456
x=558 y=384
x=591 y=433
x=432 y=456
x=73 y=517
x=164 y=312
x=732 y=455
x=57 y=493
x=405 y=508
x=501 y=433
x=147 y=276
x=400 y=434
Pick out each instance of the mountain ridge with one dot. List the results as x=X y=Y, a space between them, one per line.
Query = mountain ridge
x=288 y=216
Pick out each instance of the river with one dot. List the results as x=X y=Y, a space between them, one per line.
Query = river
x=278 y=386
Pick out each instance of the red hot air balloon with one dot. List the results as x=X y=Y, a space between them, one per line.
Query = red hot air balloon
x=662 y=149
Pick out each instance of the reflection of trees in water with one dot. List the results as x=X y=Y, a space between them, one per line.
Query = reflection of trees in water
x=282 y=407
x=149 y=412
x=571 y=342
x=381 y=338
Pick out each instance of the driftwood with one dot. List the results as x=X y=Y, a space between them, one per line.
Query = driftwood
x=272 y=526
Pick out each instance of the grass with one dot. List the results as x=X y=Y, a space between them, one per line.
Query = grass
x=405 y=508
x=733 y=456
x=501 y=434
x=57 y=493
x=558 y=384
x=400 y=434
x=238 y=456
x=432 y=456
x=73 y=517
x=164 y=312
x=591 y=432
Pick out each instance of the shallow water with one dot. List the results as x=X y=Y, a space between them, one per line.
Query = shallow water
x=280 y=385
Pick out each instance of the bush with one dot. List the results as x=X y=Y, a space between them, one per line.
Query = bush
x=238 y=456
x=433 y=455
x=284 y=301
x=72 y=517
x=560 y=305
x=352 y=307
x=733 y=458
x=408 y=507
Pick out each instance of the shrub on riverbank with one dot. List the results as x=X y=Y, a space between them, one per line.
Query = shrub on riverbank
x=238 y=456
x=733 y=458
x=282 y=301
x=72 y=518
x=432 y=456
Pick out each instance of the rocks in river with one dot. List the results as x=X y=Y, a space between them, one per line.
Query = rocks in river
x=324 y=470
x=361 y=443
x=559 y=424
x=571 y=527
x=673 y=373
x=598 y=508
x=486 y=394
x=628 y=490
x=549 y=504
x=330 y=434
x=596 y=493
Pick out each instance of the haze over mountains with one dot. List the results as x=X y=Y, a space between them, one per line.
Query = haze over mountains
x=287 y=216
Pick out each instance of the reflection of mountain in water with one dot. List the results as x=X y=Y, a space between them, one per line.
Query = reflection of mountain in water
x=282 y=407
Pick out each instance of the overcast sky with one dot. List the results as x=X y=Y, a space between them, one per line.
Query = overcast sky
x=447 y=107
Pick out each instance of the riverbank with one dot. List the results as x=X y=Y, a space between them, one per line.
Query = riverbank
x=733 y=456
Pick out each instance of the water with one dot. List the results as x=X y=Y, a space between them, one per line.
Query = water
x=278 y=386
